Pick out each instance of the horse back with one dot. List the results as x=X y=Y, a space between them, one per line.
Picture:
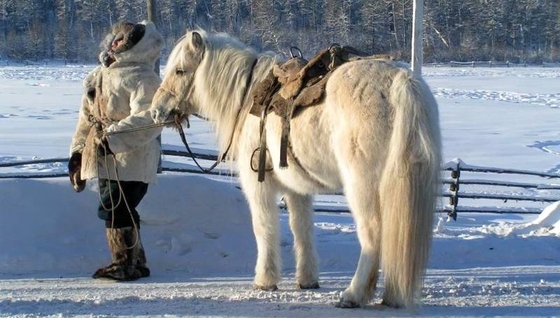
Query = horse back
x=357 y=98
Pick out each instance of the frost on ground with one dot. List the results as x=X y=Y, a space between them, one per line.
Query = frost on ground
x=476 y=292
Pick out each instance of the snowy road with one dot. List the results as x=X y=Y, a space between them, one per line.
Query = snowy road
x=507 y=291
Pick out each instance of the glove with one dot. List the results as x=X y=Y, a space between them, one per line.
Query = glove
x=106 y=58
x=103 y=148
x=74 y=167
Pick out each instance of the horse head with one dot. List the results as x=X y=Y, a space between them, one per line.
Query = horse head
x=175 y=94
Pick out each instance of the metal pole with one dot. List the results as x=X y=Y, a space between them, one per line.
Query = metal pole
x=152 y=16
x=417 y=58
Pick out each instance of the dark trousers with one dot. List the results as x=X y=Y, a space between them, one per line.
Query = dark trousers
x=113 y=208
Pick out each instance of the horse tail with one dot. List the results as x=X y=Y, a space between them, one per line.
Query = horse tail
x=408 y=189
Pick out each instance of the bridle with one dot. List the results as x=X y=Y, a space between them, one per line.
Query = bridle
x=180 y=116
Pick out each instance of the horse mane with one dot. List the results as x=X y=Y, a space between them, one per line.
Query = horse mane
x=221 y=83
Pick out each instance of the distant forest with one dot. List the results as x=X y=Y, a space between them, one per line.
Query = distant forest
x=458 y=30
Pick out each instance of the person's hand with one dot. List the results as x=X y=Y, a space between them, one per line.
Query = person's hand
x=106 y=58
x=74 y=168
x=103 y=148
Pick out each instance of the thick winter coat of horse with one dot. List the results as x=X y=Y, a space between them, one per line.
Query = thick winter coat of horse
x=126 y=88
x=375 y=136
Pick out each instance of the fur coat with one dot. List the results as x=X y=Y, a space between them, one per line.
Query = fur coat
x=117 y=98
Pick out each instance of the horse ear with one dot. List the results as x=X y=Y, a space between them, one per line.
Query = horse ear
x=196 y=40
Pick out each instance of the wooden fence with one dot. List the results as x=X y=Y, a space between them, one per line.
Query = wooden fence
x=468 y=188
x=491 y=64
x=39 y=175
x=497 y=190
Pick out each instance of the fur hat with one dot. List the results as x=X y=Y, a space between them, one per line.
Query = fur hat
x=127 y=34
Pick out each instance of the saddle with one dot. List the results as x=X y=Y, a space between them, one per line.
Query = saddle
x=295 y=84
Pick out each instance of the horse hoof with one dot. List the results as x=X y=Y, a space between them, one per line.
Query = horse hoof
x=266 y=288
x=390 y=304
x=346 y=304
x=310 y=286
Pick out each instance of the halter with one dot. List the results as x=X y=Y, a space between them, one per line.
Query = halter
x=180 y=116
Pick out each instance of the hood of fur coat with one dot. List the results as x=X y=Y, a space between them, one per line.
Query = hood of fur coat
x=147 y=50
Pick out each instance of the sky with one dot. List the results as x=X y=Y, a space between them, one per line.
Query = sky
x=197 y=230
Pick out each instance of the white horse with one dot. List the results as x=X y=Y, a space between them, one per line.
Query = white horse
x=375 y=136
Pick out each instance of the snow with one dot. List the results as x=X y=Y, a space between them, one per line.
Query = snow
x=197 y=230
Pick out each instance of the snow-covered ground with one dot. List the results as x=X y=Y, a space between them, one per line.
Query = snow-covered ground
x=197 y=230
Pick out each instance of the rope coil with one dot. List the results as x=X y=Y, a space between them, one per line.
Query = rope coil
x=121 y=196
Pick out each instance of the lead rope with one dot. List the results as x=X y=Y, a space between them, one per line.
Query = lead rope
x=117 y=178
x=140 y=128
x=121 y=196
x=99 y=130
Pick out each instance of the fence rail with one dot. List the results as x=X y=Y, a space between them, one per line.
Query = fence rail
x=468 y=188
x=506 y=64
x=540 y=189
x=474 y=64
x=39 y=175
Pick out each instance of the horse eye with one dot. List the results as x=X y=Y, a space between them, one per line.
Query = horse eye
x=179 y=72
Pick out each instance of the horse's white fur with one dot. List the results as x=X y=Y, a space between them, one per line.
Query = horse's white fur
x=376 y=136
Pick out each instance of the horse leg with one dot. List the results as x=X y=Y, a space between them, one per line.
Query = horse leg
x=301 y=223
x=365 y=209
x=266 y=227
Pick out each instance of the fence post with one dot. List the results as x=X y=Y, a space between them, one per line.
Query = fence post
x=454 y=189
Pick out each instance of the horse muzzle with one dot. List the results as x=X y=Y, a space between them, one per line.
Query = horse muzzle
x=160 y=116
x=173 y=117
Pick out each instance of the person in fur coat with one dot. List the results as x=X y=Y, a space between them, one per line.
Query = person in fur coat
x=117 y=95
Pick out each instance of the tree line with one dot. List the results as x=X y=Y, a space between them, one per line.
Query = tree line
x=497 y=30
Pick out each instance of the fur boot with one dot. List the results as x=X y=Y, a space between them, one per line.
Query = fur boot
x=128 y=256
x=141 y=263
